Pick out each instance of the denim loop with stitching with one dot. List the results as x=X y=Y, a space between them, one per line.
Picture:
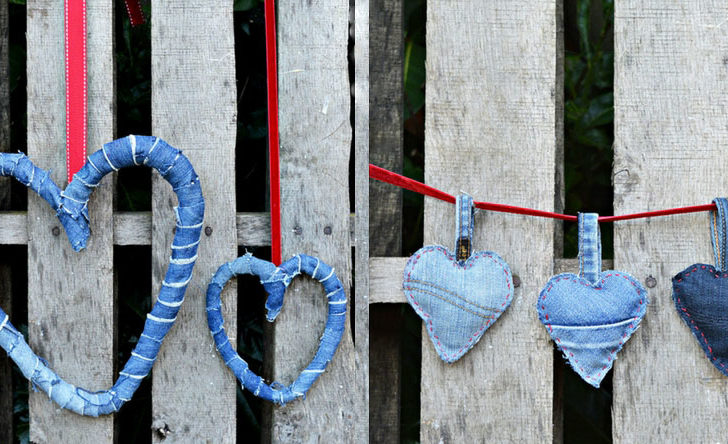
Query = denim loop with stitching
x=590 y=247
x=464 y=221
x=719 y=233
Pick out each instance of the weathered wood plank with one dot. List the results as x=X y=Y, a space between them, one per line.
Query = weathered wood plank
x=361 y=226
x=385 y=213
x=194 y=109
x=490 y=131
x=6 y=295
x=315 y=149
x=671 y=89
x=70 y=295
x=385 y=276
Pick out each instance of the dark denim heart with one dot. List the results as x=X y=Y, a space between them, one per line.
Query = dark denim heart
x=701 y=298
x=457 y=300
x=71 y=208
x=591 y=322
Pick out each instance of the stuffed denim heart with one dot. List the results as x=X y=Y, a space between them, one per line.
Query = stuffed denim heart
x=71 y=207
x=701 y=294
x=458 y=298
x=275 y=280
x=592 y=315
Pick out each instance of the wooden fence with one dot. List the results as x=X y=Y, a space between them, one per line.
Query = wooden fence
x=494 y=113
x=71 y=315
x=493 y=128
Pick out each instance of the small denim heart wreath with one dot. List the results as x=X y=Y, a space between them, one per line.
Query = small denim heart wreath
x=700 y=293
x=457 y=296
x=592 y=315
x=71 y=208
x=275 y=280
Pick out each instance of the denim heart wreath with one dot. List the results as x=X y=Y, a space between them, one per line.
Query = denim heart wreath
x=458 y=296
x=71 y=208
x=592 y=315
x=700 y=293
x=275 y=280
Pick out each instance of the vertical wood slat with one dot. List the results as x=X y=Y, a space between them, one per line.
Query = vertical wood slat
x=361 y=206
x=315 y=138
x=70 y=295
x=194 y=109
x=671 y=90
x=490 y=131
x=6 y=295
x=385 y=213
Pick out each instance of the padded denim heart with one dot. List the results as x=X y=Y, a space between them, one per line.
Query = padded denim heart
x=590 y=323
x=457 y=301
x=275 y=280
x=591 y=316
x=701 y=298
x=71 y=208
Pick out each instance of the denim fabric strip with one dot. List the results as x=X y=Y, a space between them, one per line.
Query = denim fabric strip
x=590 y=247
x=72 y=210
x=719 y=235
x=464 y=217
x=275 y=280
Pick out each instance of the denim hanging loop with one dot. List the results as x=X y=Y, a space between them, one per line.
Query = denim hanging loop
x=71 y=208
x=700 y=293
x=276 y=280
x=458 y=295
x=590 y=316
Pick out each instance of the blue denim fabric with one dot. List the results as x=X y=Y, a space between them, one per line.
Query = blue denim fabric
x=592 y=315
x=71 y=207
x=275 y=280
x=457 y=299
x=700 y=293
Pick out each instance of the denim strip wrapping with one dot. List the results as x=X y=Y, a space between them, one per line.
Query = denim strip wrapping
x=718 y=233
x=590 y=247
x=72 y=210
x=275 y=280
x=464 y=222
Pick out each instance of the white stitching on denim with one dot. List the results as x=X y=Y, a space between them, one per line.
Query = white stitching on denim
x=327 y=277
x=132 y=142
x=593 y=327
x=171 y=304
x=129 y=375
x=177 y=284
x=137 y=355
x=162 y=320
x=103 y=150
x=5 y=321
x=183 y=261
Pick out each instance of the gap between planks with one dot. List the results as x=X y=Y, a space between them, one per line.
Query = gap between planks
x=385 y=276
x=135 y=228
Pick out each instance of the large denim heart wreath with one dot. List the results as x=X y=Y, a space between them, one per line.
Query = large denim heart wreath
x=701 y=294
x=275 y=280
x=457 y=296
x=71 y=208
x=591 y=316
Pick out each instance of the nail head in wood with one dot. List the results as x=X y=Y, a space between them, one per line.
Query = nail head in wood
x=208 y=231
x=297 y=230
x=516 y=281
x=650 y=281
x=327 y=230
x=55 y=231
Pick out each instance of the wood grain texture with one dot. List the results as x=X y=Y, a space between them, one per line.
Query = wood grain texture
x=6 y=294
x=385 y=212
x=360 y=298
x=194 y=109
x=316 y=139
x=386 y=124
x=71 y=300
x=490 y=131
x=671 y=90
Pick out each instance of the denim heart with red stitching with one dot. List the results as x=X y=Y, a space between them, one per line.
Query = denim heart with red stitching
x=458 y=296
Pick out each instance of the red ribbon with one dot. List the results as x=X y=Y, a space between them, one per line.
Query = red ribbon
x=136 y=16
x=392 y=178
x=76 y=103
x=273 y=140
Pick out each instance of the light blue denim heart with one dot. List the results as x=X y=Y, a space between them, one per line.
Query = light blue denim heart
x=591 y=316
x=458 y=298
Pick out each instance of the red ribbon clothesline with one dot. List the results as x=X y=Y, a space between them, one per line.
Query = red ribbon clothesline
x=76 y=101
x=392 y=178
